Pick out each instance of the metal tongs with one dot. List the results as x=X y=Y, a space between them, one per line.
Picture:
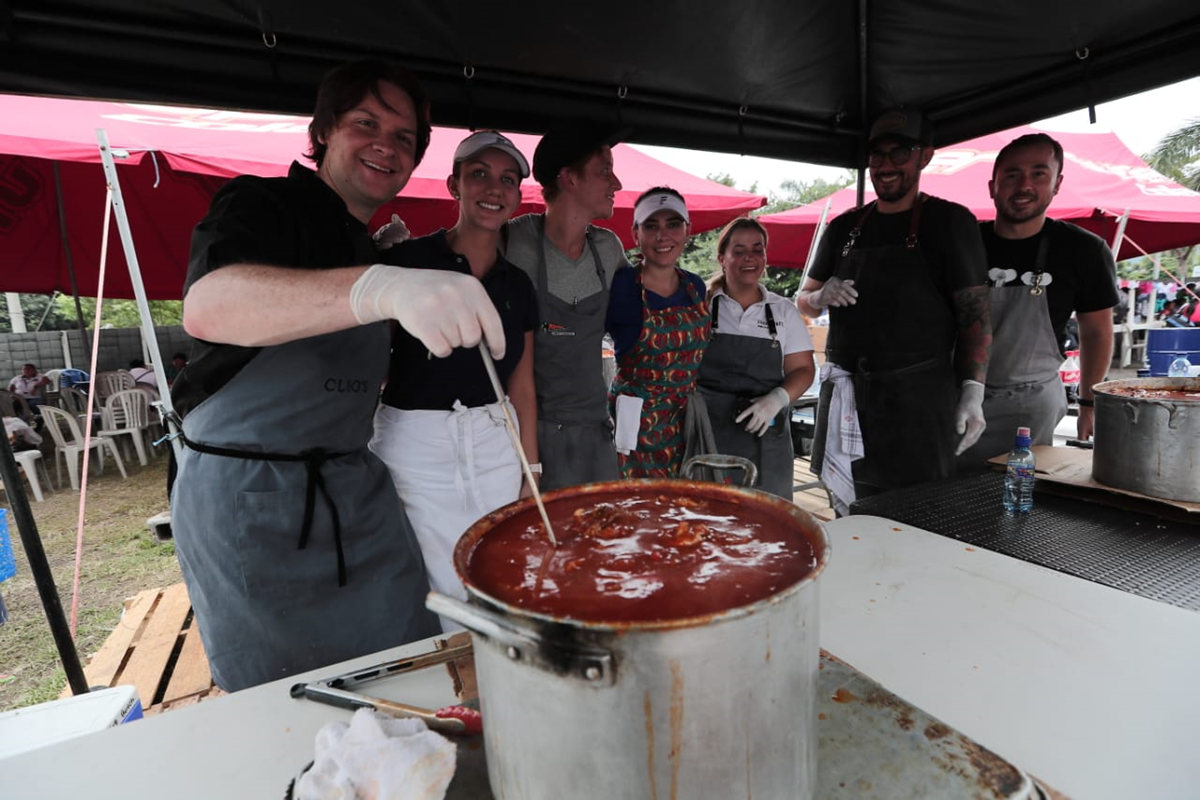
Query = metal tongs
x=337 y=691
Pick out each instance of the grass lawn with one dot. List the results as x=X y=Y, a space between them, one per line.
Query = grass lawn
x=120 y=557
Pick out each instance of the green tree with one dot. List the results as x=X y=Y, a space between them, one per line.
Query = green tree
x=41 y=314
x=1177 y=156
x=121 y=313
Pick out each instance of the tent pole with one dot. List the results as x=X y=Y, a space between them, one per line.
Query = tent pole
x=149 y=339
x=818 y=232
x=39 y=566
x=1122 y=221
x=863 y=105
x=62 y=233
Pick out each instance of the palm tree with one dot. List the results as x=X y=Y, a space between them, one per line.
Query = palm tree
x=1178 y=157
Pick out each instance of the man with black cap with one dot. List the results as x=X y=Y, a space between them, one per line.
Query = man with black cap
x=572 y=263
x=904 y=279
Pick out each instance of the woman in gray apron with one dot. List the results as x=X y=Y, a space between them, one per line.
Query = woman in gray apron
x=575 y=435
x=1023 y=384
x=759 y=359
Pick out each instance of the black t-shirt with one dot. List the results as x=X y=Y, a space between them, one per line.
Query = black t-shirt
x=1083 y=273
x=416 y=381
x=947 y=234
x=297 y=221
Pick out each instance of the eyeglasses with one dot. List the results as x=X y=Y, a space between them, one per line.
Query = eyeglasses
x=897 y=155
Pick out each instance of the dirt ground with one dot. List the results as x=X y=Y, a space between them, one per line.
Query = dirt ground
x=120 y=557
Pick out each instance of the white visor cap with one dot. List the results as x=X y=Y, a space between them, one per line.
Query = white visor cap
x=661 y=201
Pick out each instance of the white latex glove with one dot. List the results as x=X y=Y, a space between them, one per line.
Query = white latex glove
x=391 y=233
x=442 y=309
x=968 y=417
x=763 y=410
x=835 y=292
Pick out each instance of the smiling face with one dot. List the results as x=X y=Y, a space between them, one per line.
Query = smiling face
x=1025 y=182
x=661 y=238
x=595 y=186
x=744 y=259
x=488 y=187
x=896 y=184
x=371 y=151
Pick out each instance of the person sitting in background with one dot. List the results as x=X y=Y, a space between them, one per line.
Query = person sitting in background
x=178 y=362
x=30 y=386
x=659 y=323
x=144 y=377
x=759 y=359
x=20 y=435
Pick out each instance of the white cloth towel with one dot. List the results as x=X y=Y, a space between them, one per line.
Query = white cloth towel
x=629 y=420
x=843 y=438
x=376 y=757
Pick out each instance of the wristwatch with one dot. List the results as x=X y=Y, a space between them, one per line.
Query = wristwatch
x=1086 y=402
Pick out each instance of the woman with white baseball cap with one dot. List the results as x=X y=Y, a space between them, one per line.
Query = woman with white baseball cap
x=440 y=429
x=659 y=322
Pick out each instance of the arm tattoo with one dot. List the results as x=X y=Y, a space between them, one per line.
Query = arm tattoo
x=974 y=333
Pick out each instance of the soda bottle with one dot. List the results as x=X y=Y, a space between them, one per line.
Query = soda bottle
x=1019 y=476
x=1180 y=368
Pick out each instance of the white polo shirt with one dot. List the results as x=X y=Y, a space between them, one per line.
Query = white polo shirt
x=789 y=324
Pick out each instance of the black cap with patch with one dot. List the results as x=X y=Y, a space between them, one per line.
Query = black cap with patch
x=901 y=123
x=568 y=142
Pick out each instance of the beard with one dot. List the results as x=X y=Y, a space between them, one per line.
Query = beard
x=1016 y=214
x=892 y=192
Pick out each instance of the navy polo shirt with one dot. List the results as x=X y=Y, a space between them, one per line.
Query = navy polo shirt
x=417 y=381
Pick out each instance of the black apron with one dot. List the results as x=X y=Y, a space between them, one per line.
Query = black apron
x=1023 y=384
x=737 y=369
x=897 y=342
x=575 y=433
x=293 y=543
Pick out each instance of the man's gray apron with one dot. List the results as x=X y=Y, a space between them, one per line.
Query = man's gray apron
x=1023 y=384
x=736 y=369
x=575 y=435
x=897 y=342
x=295 y=548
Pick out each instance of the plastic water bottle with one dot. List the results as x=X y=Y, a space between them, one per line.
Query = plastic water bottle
x=1018 y=479
x=1180 y=368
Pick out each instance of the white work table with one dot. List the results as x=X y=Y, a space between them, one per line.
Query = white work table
x=1088 y=688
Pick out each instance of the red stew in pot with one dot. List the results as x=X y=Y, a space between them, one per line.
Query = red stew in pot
x=625 y=557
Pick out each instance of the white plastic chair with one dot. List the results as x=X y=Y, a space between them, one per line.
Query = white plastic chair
x=109 y=383
x=30 y=460
x=70 y=449
x=127 y=413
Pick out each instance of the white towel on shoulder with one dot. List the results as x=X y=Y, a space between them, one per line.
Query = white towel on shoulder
x=843 y=439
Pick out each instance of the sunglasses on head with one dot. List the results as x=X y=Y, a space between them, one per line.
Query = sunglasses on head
x=900 y=154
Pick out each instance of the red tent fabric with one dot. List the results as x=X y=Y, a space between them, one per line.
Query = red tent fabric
x=1101 y=180
x=177 y=158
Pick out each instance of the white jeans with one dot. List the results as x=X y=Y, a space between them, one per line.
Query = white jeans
x=450 y=468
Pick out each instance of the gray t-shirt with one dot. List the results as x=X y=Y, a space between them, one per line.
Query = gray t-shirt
x=568 y=279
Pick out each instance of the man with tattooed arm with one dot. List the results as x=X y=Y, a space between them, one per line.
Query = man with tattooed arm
x=904 y=279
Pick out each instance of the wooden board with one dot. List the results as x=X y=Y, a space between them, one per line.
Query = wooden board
x=157 y=649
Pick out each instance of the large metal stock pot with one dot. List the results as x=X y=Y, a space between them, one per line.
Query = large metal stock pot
x=1149 y=445
x=716 y=706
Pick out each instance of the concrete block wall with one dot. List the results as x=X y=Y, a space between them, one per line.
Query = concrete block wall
x=118 y=346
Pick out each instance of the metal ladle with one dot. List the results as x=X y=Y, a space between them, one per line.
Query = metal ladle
x=490 y=366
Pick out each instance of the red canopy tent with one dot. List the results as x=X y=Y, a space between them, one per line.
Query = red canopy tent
x=177 y=158
x=1102 y=181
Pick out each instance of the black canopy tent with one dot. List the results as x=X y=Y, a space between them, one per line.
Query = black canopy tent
x=789 y=79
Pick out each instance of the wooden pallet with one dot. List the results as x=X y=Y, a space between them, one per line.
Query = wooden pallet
x=155 y=648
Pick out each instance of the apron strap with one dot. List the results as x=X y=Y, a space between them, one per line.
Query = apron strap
x=312 y=460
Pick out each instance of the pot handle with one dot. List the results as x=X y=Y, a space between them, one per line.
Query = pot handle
x=593 y=665
x=718 y=461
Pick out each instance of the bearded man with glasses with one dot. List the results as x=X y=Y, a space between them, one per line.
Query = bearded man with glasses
x=904 y=279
